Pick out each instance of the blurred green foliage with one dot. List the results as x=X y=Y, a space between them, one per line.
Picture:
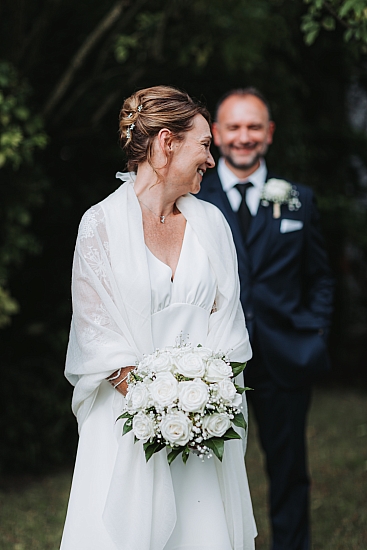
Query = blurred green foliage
x=326 y=14
x=80 y=60
x=21 y=133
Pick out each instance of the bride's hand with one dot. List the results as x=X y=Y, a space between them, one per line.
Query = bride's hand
x=118 y=379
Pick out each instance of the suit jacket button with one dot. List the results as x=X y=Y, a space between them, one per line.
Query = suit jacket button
x=249 y=315
x=321 y=331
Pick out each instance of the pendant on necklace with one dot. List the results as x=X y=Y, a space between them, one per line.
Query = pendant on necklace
x=162 y=218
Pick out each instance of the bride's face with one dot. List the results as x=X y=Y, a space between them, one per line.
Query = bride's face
x=190 y=158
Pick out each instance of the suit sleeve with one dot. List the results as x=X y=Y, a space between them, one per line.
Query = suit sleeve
x=319 y=279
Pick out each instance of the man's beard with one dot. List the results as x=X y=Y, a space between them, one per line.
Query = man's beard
x=247 y=166
x=241 y=166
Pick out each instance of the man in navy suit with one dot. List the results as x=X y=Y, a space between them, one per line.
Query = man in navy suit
x=286 y=293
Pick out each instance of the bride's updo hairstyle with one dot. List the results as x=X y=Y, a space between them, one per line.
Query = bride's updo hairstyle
x=146 y=112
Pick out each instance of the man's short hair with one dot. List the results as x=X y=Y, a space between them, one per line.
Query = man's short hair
x=251 y=90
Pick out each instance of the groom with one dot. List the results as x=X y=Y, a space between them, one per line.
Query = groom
x=286 y=293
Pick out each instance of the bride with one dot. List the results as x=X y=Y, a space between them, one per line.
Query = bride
x=151 y=263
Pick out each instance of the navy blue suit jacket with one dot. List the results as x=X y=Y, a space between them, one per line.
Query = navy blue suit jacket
x=286 y=285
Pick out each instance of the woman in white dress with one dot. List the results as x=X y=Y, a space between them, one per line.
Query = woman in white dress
x=152 y=263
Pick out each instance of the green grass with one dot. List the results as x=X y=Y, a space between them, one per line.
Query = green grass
x=32 y=511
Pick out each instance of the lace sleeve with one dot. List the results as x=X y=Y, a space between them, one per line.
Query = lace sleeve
x=94 y=243
x=100 y=342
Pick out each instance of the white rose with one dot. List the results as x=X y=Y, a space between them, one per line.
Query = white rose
x=164 y=389
x=193 y=395
x=237 y=401
x=216 y=424
x=176 y=428
x=277 y=189
x=217 y=369
x=137 y=397
x=227 y=390
x=190 y=364
x=145 y=365
x=143 y=427
x=204 y=353
x=162 y=363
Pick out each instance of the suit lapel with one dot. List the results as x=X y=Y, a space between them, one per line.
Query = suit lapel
x=255 y=250
x=213 y=192
x=263 y=232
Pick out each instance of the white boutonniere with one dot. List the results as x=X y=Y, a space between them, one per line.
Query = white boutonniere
x=280 y=192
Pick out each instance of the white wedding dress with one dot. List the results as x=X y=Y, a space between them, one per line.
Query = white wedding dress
x=181 y=306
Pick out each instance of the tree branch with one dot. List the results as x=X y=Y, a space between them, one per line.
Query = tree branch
x=122 y=24
x=105 y=106
x=80 y=90
x=104 y=51
x=335 y=14
x=38 y=28
x=81 y=55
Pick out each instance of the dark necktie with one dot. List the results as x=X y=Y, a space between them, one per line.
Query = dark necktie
x=244 y=213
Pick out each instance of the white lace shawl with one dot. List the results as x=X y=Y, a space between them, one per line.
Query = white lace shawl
x=111 y=328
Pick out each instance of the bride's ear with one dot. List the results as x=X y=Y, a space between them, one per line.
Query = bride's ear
x=162 y=148
x=165 y=140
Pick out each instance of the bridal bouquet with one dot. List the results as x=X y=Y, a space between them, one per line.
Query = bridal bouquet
x=184 y=398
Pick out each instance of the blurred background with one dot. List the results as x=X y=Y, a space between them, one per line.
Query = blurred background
x=65 y=68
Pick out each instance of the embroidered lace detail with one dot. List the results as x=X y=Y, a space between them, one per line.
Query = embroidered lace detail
x=90 y=334
x=94 y=253
x=100 y=316
x=93 y=338
x=91 y=219
x=94 y=259
x=106 y=246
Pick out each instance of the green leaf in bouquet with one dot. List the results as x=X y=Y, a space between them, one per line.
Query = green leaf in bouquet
x=216 y=444
x=231 y=434
x=239 y=420
x=240 y=389
x=152 y=448
x=125 y=415
x=185 y=454
x=174 y=454
x=128 y=426
x=237 y=368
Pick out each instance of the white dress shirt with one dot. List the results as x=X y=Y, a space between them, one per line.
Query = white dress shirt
x=253 y=194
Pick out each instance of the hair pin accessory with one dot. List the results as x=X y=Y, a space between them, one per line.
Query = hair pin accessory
x=140 y=108
x=129 y=130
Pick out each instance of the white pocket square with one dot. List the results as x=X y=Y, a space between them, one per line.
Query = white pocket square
x=290 y=225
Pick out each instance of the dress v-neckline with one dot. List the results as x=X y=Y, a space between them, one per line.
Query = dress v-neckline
x=172 y=278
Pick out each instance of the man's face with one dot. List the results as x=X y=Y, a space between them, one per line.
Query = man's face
x=243 y=132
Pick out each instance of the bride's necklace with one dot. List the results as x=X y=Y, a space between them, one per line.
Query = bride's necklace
x=162 y=218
